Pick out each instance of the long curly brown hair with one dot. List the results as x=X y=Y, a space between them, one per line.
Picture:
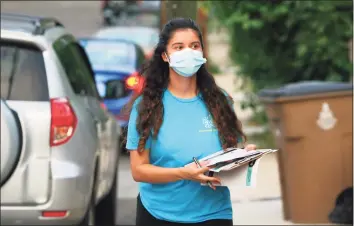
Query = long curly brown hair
x=156 y=79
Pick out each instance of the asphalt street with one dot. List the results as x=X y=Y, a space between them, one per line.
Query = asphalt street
x=82 y=19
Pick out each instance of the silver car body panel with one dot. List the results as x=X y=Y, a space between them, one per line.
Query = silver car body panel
x=60 y=177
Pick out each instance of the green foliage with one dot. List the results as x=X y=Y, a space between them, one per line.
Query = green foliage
x=263 y=140
x=259 y=118
x=213 y=68
x=276 y=42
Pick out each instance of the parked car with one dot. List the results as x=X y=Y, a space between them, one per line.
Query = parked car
x=114 y=12
x=116 y=65
x=59 y=153
x=146 y=37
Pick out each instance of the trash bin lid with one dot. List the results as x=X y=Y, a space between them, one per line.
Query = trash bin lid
x=305 y=88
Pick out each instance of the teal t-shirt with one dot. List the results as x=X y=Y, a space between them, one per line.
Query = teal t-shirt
x=187 y=131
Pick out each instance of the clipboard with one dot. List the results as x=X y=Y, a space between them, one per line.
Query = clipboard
x=239 y=170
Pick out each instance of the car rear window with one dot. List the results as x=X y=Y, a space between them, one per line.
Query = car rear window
x=23 y=75
x=112 y=89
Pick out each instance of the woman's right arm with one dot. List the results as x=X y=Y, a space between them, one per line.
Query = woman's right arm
x=143 y=171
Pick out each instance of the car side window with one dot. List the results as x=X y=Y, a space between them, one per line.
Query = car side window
x=87 y=66
x=78 y=74
x=86 y=70
x=140 y=56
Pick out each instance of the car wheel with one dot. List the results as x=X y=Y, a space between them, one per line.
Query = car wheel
x=106 y=210
x=11 y=141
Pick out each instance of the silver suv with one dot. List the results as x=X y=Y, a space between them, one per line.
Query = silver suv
x=58 y=143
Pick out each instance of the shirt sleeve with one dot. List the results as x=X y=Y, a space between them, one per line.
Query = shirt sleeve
x=133 y=136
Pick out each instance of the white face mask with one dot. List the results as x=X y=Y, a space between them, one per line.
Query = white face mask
x=186 y=62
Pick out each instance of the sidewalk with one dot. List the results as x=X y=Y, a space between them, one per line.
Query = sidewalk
x=259 y=213
x=261 y=205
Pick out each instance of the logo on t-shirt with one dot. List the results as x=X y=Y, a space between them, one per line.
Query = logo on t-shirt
x=208 y=124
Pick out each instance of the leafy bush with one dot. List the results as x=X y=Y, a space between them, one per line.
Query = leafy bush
x=276 y=42
x=213 y=68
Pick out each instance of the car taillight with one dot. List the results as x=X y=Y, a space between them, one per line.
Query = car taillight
x=133 y=81
x=63 y=121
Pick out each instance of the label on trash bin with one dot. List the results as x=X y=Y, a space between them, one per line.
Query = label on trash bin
x=326 y=119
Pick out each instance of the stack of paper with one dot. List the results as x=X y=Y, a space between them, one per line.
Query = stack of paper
x=236 y=167
x=233 y=157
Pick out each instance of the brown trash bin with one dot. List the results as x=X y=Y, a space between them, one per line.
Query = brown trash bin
x=312 y=123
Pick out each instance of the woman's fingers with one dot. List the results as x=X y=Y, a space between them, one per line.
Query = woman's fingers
x=213 y=180
x=194 y=165
x=204 y=163
x=203 y=170
x=251 y=147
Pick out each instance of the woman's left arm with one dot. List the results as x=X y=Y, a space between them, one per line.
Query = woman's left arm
x=251 y=147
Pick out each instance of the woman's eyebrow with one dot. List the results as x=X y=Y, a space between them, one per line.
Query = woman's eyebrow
x=196 y=42
x=177 y=43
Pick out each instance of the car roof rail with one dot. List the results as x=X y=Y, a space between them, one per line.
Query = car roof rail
x=35 y=24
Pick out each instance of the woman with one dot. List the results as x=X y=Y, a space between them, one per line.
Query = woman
x=180 y=114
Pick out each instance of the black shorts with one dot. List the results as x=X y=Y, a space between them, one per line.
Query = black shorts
x=144 y=218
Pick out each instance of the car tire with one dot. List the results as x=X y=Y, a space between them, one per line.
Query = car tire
x=11 y=142
x=106 y=210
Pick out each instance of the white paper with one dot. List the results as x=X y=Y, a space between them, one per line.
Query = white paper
x=242 y=171
x=233 y=153
x=235 y=164
x=242 y=176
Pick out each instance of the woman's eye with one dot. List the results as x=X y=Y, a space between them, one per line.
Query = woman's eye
x=179 y=47
x=195 y=46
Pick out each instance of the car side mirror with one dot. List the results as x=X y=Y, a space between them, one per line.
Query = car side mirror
x=114 y=89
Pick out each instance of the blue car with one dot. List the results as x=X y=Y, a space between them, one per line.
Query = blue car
x=116 y=64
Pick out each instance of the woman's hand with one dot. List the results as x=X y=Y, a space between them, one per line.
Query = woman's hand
x=193 y=173
x=250 y=147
